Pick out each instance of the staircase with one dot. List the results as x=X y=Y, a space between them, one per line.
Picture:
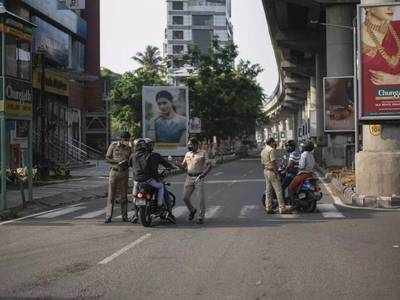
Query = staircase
x=76 y=153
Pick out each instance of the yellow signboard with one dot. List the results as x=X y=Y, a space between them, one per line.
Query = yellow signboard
x=16 y=109
x=54 y=82
x=15 y=32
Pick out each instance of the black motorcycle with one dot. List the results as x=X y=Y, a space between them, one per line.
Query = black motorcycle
x=147 y=205
x=304 y=200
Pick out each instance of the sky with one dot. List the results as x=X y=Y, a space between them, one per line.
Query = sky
x=128 y=26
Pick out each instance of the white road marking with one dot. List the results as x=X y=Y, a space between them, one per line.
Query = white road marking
x=336 y=199
x=213 y=211
x=124 y=249
x=218 y=173
x=231 y=182
x=92 y=214
x=60 y=212
x=246 y=209
x=329 y=211
x=32 y=216
x=179 y=211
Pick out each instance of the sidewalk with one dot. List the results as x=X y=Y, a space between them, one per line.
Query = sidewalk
x=85 y=183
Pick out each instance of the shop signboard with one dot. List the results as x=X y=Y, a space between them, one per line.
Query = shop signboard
x=166 y=118
x=17 y=100
x=339 y=111
x=379 y=61
x=54 y=82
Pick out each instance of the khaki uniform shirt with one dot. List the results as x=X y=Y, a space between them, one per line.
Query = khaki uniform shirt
x=116 y=153
x=196 y=162
x=268 y=157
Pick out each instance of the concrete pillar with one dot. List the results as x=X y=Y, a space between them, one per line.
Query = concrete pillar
x=313 y=108
x=339 y=41
x=339 y=62
x=378 y=165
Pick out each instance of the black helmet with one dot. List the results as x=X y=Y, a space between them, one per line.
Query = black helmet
x=149 y=144
x=140 y=145
x=125 y=135
x=290 y=146
x=307 y=146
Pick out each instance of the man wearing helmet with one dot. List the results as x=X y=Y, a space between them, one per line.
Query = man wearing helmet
x=292 y=163
x=306 y=166
x=145 y=165
x=118 y=157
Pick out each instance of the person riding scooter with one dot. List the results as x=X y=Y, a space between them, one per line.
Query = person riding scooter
x=292 y=163
x=306 y=167
x=145 y=165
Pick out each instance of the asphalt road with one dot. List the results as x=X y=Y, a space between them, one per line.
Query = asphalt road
x=239 y=253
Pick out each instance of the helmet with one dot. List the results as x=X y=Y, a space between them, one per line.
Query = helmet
x=307 y=146
x=125 y=135
x=290 y=146
x=149 y=144
x=140 y=145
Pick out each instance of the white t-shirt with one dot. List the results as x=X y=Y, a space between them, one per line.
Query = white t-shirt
x=307 y=162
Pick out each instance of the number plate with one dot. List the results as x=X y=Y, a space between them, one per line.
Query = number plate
x=140 y=202
x=302 y=196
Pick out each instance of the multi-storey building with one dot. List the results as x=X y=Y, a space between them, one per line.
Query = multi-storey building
x=66 y=84
x=194 y=22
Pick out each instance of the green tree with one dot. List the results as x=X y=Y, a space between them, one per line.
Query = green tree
x=126 y=98
x=226 y=97
x=150 y=59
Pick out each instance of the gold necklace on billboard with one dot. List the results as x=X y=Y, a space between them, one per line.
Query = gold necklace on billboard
x=392 y=60
x=382 y=28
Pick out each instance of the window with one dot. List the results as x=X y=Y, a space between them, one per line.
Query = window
x=177 y=49
x=11 y=56
x=202 y=38
x=199 y=20
x=177 y=20
x=78 y=56
x=178 y=35
x=24 y=60
x=18 y=59
x=177 y=5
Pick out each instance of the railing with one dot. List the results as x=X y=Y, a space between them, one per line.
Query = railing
x=91 y=152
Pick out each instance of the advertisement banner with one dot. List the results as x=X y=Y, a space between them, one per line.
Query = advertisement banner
x=339 y=111
x=379 y=60
x=166 y=118
x=195 y=125
x=54 y=82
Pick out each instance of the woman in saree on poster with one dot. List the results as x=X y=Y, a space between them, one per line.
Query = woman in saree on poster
x=380 y=38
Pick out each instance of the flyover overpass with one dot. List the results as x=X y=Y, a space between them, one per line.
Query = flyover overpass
x=306 y=52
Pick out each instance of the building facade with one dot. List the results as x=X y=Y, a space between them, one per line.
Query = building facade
x=194 y=22
x=65 y=76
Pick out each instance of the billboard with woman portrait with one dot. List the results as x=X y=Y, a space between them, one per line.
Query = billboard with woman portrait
x=166 y=117
x=379 y=61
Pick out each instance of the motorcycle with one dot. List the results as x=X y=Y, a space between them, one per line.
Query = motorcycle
x=304 y=200
x=147 y=205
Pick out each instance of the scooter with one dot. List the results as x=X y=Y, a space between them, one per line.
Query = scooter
x=304 y=200
x=147 y=205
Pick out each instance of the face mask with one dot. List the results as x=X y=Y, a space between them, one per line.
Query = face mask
x=190 y=147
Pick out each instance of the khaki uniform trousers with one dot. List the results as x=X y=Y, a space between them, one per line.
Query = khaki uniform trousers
x=273 y=183
x=188 y=190
x=118 y=179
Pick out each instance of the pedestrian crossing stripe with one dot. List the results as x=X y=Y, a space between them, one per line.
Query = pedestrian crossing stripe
x=328 y=211
x=60 y=212
x=92 y=214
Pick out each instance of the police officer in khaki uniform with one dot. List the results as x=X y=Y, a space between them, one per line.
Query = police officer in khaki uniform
x=272 y=180
x=117 y=156
x=197 y=166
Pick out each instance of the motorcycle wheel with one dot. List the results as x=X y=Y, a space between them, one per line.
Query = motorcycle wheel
x=172 y=199
x=145 y=216
x=308 y=207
